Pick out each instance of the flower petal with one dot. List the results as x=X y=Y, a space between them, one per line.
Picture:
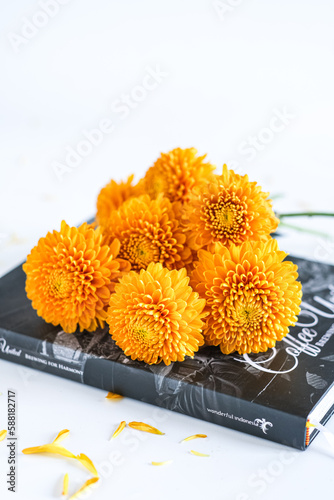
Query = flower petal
x=198 y=454
x=162 y=463
x=3 y=434
x=141 y=426
x=49 y=448
x=87 y=483
x=194 y=436
x=86 y=462
x=62 y=435
x=119 y=429
x=65 y=485
x=113 y=395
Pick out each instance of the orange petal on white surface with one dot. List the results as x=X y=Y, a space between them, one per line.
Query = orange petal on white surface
x=162 y=463
x=3 y=434
x=141 y=426
x=49 y=448
x=86 y=485
x=113 y=395
x=86 y=462
x=55 y=449
x=62 y=435
x=198 y=454
x=194 y=436
x=65 y=485
x=119 y=429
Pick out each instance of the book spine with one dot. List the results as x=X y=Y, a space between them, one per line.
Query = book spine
x=38 y=354
x=151 y=387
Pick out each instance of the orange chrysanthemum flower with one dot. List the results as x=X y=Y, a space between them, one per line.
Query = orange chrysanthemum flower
x=252 y=296
x=70 y=276
x=112 y=196
x=155 y=316
x=149 y=231
x=176 y=173
x=229 y=209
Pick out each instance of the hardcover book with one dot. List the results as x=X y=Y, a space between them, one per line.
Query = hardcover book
x=269 y=395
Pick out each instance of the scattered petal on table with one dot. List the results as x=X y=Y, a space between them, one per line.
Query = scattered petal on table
x=86 y=462
x=113 y=395
x=198 y=454
x=65 y=485
x=119 y=429
x=62 y=435
x=162 y=463
x=87 y=483
x=49 y=448
x=141 y=426
x=194 y=436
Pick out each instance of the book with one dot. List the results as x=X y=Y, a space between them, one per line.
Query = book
x=270 y=395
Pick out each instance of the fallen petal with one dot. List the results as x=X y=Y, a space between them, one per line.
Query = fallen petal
x=62 y=435
x=113 y=395
x=119 y=429
x=194 y=436
x=198 y=454
x=141 y=426
x=162 y=463
x=86 y=462
x=49 y=448
x=87 y=483
x=65 y=485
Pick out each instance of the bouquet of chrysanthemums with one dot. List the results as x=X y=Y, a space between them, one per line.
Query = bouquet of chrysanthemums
x=183 y=258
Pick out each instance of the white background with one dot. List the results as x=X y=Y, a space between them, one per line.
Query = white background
x=229 y=67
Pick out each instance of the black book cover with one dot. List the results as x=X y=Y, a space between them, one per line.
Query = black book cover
x=269 y=395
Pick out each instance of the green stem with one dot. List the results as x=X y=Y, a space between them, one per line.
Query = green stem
x=303 y=230
x=307 y=214
x=276 y=196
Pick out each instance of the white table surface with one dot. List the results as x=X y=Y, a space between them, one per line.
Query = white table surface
x=224 y=79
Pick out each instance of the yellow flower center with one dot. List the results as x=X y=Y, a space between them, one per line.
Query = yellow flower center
x=140 y=251
x=250 y=317
x=59 y=284
x=149 y=323
x=247 y=312
x=226 y=217
x=140 y=335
